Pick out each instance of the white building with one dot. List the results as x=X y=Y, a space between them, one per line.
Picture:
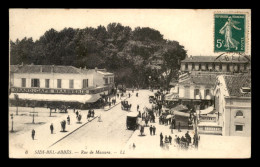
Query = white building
x=233 y=104
x=60 y=83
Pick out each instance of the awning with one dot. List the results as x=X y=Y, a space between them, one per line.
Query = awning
x=55 y=97
x=206 y=111
x=172 y=97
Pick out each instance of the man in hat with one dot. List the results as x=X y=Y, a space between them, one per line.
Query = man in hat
x=51 y=127
x=151 y=130
x=33 y=134
x=154 y=129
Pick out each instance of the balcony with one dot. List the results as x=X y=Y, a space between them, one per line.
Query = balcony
x=209 y=128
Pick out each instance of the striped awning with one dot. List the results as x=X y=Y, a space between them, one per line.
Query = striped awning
x=87 y=98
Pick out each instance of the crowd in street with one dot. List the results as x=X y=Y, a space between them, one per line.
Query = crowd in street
x=182 y=142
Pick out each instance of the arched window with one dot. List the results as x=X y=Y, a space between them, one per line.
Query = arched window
x=239 y=114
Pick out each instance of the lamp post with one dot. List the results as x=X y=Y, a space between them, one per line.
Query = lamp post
x=12 y=118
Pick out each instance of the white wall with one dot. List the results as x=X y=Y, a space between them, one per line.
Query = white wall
x=53 y=79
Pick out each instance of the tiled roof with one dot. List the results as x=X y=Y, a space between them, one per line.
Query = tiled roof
x=235 y=82
x=48 y=69
x=200 y=80
x=222 y=59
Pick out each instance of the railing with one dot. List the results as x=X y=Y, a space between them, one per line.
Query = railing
x=216 y=130
x=208 y=119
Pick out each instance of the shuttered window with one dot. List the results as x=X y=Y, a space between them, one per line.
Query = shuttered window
x=23 y=82
x=71 y=84
x=47 y=83
x=35 y=83
x=58 y=83
x=85 y=83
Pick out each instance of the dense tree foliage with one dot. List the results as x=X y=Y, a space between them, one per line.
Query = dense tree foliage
x=126 y=52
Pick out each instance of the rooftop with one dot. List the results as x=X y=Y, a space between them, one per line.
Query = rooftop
x=54 y=69
x=199 y=80
x=222 y=59
x=235 y=82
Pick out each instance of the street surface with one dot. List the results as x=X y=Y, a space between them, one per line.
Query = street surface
x=111 y=133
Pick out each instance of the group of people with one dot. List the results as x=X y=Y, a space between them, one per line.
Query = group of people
x=166 y=142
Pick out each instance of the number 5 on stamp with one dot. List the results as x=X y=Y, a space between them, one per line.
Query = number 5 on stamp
x=229 y=32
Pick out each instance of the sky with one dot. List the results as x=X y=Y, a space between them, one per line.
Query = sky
x=194 y=29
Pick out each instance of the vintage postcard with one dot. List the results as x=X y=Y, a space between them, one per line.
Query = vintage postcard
x=130 y=83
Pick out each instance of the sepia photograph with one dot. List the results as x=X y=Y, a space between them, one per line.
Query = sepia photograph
x=129 y=83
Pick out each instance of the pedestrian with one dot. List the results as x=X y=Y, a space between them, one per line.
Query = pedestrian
x=188 y=138
x=137 y=107
x=179 y=128
x=166 y=139
x=178 y=140
x=146 y=121
x=77 y=113
x=154 y=129
x=129 y=95
x=161 y=139
x=170 y=139
x=33 y=134
x=151 y=130
x=52 y=128
x=93 y=113
x=134 y=146
x=68 y=119
x=74 y=110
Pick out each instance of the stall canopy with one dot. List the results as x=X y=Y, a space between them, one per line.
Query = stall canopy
x=172 y=97
x=208 y=110
x=87 y=98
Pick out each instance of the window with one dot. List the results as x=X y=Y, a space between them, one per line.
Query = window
x=197 y=91
x=207 y=67
x=106 y=80
x=47 y=83
x=238 y=68
x=186 y=66
x=228 y=69
x=85 y=83
x=35 y=83
x=111 y=80
x=71 y=84
x=197 y=94
x=199 y=66
x=239 y=128
x=193 y=66
x=58 y=83
x=220 y=67
x=207 y=92
x=239 y=114
x=23 y=82
x=213 y=66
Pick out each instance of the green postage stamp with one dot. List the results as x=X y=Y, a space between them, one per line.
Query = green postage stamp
x=229 y=32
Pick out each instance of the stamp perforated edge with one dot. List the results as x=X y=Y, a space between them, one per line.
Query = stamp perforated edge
x=247 y=28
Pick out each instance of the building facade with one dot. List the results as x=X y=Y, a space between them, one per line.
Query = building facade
x=216 y=64
x=233 y=104
x=31 y=81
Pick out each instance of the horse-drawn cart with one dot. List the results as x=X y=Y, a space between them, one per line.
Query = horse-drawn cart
x=125 y=105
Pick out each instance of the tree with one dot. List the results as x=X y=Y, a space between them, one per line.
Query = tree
x=172 y=54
